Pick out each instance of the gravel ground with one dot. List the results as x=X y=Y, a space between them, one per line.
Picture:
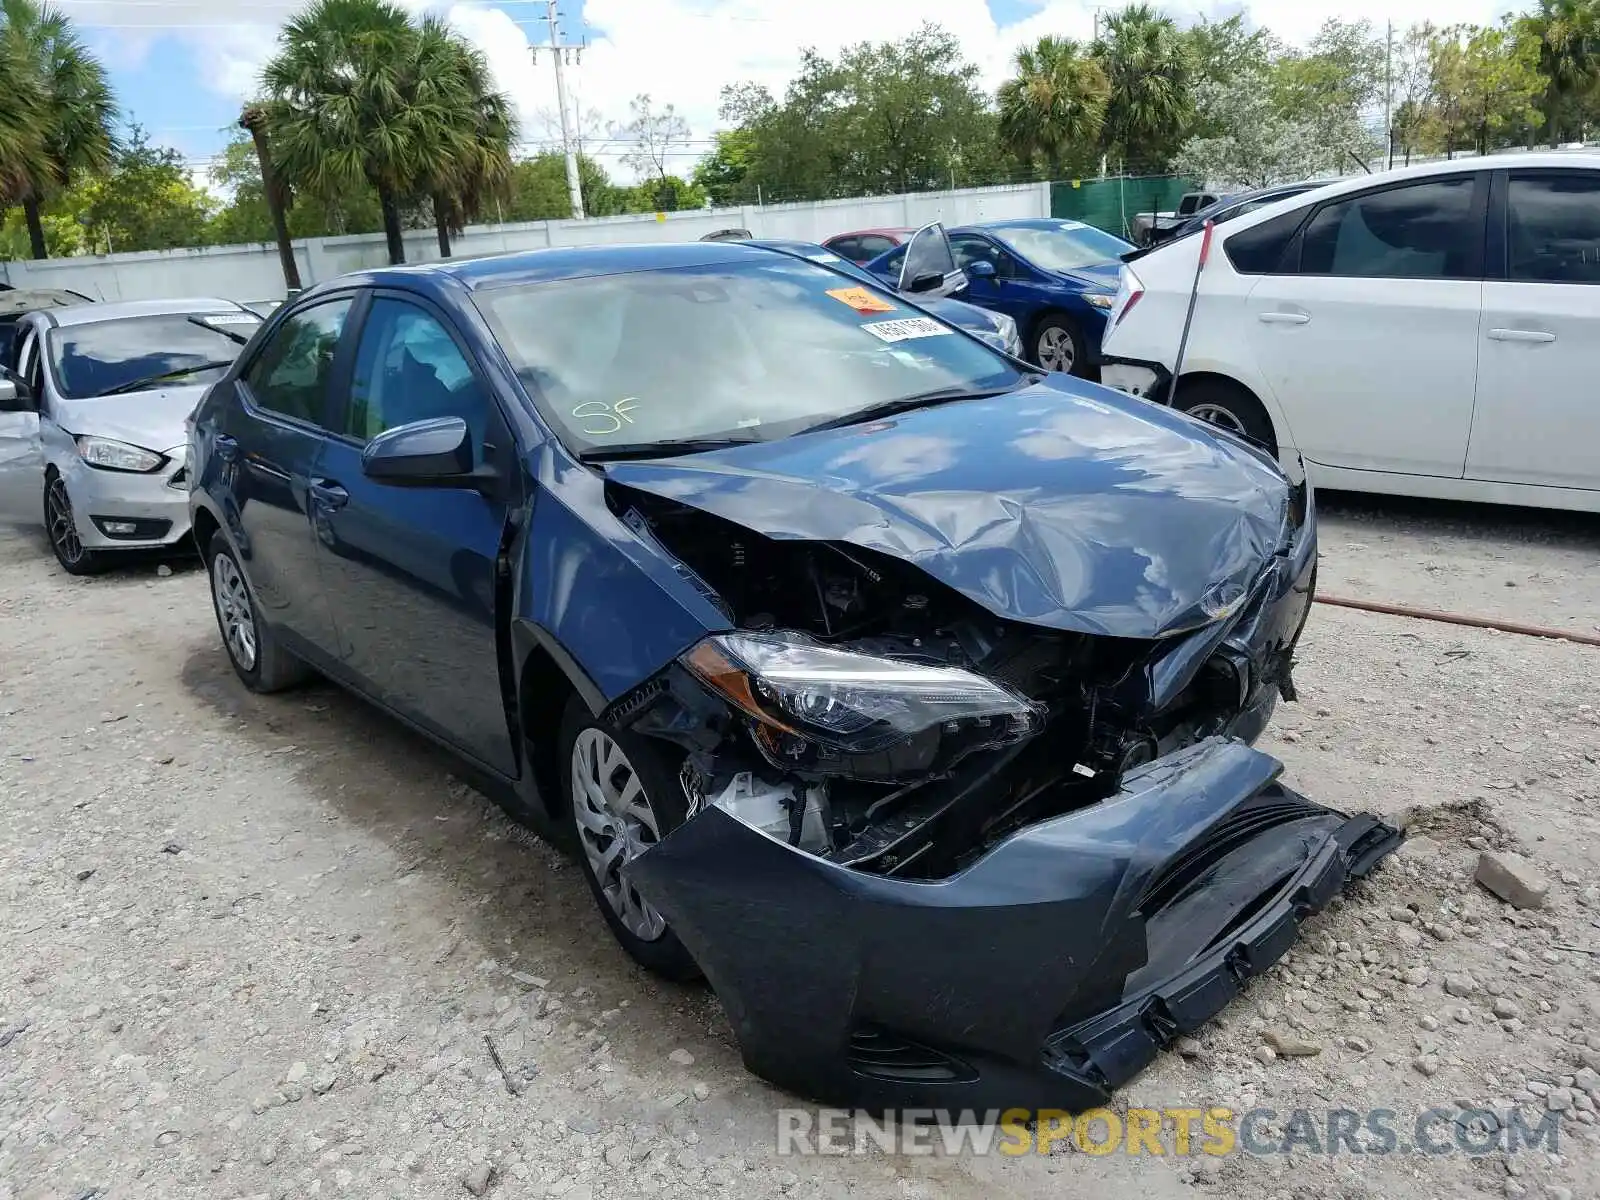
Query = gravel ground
x=262 y=946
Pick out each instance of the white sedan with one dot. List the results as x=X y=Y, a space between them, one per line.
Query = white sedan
x=93 y=400
x=1433 y=331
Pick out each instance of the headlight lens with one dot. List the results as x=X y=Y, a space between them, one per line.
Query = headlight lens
x=1100 y=301
x=1007 y=329
x=812 y=705
x=117 y=456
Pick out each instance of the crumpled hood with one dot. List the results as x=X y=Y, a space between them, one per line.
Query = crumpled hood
x=1065 y=504
x=153 y=420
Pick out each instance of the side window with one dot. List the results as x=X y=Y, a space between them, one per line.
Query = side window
x=1553 y=228
x=970 y=249
x=290 y=374
x=873 y=245
x=847 y=247
x=890 y=266
x=1261 y=250
x=30 y=362
x=1419 y=231
x=408 y=368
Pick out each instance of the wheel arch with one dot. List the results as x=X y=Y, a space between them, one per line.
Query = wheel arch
x=1276 y=418
x=547 y=682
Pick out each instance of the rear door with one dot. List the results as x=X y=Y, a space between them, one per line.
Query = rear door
x=269 y=442
x=1538 y=416
x=1368 y=332
x=411 y=571
x=21 y=452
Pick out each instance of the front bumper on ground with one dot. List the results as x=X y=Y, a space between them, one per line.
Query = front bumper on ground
x=1045 y=974
x=156 y=505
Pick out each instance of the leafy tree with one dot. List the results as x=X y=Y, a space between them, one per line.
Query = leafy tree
x=144 y=202
x=478 y=169
x=74 y=107
x=650 y=134
x=1567 y=36
x=354 y=102
x=1054 y=109
x=538 y=189
x=1262 y=144
x=1415 y=121
x=1222 y=51
x=1149 y=67
x=247 y=218
x=722 y=173
x=1487 y=86
x=668 y=194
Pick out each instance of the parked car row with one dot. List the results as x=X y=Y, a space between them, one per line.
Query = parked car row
x=854 y=659
x=1430 y=331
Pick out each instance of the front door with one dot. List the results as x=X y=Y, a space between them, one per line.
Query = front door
x=411 y=572
x=21 y=453
x=929 y=267
x=268 y=446
x=1538 y=418
x=1371 y=345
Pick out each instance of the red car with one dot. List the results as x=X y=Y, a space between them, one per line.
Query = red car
x=864 y=245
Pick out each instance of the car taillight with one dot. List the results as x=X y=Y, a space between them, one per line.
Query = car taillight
x=1130 y=290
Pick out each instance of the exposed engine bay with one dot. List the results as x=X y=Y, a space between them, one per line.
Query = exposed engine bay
x=996 y=725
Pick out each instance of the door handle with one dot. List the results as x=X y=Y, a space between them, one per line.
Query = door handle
x=329 y=495
x=1283 y=318
x=1521 y=335
x=227 y=448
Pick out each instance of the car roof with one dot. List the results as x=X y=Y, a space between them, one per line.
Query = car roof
x=121 y=310
x=14 y=301
x=882 y=230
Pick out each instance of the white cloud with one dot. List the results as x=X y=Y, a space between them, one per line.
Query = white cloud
x=682 y=52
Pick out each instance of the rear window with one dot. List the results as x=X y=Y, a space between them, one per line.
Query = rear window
x=1262 y=250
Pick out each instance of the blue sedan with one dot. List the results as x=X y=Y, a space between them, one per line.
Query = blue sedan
x=1056 y=279
x=859 y=667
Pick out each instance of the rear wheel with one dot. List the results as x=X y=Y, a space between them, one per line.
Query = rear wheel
x=1058 y=345
x=253 y=649
x=61 y=526
x=1227 y=406
x=622 y=799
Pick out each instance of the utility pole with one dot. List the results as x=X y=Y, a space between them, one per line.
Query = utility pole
x=1388 y=91
x=558 y=49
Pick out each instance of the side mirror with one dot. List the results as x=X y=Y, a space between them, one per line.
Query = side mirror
x=926 y=283
x=434 y=453
x=981 y=268
x=14 y=395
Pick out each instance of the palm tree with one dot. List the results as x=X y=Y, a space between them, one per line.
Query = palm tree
x=1056 y=103
x=1568 y=33
x=1148 y=67
x=254 y=119
x=22 y=119
x=348 y=108
x=456 y=76
x=75 y=111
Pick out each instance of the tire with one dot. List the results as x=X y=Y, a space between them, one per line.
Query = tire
x=613 y=759
x=1058 y=346
x=61 y=528
x=258 y=658
x=1227 y=406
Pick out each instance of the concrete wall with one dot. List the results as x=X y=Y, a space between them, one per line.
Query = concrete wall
x=252 y=272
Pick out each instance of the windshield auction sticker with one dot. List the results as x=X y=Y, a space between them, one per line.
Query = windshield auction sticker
x=911 y=327
x=860 y=299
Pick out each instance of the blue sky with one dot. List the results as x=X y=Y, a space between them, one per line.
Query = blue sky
x=182 y=67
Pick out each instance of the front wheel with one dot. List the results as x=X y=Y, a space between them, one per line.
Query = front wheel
x=622 y=799
x=253 y=649
x=1058 y=346
x=61 y=525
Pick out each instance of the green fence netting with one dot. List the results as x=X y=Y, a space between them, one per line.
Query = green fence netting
x=1110 y=204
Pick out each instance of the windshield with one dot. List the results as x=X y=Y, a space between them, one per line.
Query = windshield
x=756 y=349
x=1062 y=245
x=91 y=360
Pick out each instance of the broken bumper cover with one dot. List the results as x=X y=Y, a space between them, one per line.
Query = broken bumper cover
x=1046 y=974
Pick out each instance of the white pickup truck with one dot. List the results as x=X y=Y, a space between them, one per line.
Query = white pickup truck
x=1146 y=227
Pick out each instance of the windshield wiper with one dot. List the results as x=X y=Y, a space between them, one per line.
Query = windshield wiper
x=214 y=326
x=663 y=449
x=890 y=408
x=139 y=385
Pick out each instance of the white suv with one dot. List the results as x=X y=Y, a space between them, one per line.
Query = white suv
x=1433 y=331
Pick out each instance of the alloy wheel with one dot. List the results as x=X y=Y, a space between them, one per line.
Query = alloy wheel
x=1218 y=415
x=234 y=610
x=1056 y=351
x=64 y=539
x=615 y=824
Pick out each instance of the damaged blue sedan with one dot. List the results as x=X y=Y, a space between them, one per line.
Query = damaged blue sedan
x=902 y=691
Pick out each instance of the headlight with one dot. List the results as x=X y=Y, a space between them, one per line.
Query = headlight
x=1010 y=339
x=117 y=456
x=812 y=706
x=1098 y=300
